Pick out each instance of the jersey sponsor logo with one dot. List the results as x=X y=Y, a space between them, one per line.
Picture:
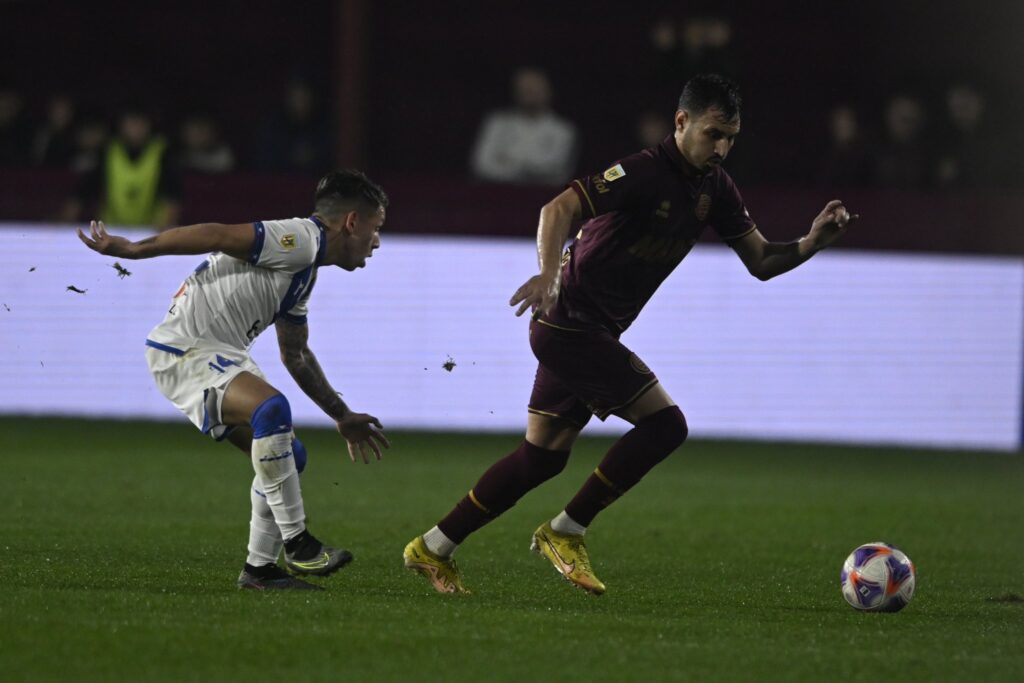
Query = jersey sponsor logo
x=614 y=173
x=703 y=207
x=638 y=365
x=599 y=184
x=288 y=241
x=655 y=248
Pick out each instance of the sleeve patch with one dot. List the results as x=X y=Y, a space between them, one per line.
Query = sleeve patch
x=288 y=241
x=614 y=173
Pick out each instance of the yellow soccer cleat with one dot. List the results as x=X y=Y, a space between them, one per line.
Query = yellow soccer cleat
x=442 y=572
x=569 y=556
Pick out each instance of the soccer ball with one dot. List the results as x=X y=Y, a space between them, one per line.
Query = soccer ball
x=878 y=577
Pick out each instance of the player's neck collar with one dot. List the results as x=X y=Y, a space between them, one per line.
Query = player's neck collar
x=321 y=252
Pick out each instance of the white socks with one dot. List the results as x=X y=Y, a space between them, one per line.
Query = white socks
x=265 y=540
x=438 y=543
x=277 y=478
x=564 y=524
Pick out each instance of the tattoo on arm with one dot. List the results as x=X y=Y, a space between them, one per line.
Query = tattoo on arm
x=305 y=370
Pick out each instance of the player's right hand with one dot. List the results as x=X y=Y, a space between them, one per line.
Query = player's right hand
x=539 y=293
x=364 y=434
x=829 y=225
x=101 y=241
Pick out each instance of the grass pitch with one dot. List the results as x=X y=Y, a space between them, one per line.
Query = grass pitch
x=120 y=544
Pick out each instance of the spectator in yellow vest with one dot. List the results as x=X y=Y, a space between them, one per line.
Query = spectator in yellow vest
x=135 y=183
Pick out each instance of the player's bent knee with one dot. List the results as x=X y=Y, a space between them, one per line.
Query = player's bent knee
x=668 y=427
x=273 y=416
x=552 y=434
x=299 y=451
x=273 y=455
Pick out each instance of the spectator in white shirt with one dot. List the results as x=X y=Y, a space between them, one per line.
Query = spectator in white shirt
x=528 y=143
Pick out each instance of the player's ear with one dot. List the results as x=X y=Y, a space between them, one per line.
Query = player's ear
x=349 y=222
x=682 y=118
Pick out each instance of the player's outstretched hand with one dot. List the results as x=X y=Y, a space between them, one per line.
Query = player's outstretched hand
x=364 y=435
x=539 y=293
x=101 y=241
x=830 y=224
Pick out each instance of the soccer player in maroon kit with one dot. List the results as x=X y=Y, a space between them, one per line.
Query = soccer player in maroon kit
x=642 y=216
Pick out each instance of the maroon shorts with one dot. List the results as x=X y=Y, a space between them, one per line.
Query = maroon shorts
x=583 y=373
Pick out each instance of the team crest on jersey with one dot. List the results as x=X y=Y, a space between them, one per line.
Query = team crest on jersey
x=614 y=173
x=703 y=207
x=662 y=211
x=288 y=241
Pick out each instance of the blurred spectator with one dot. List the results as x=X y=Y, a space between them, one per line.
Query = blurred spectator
x=969 y=156
x=528 y=143
x=90 y=141
x=652 y=127
x=848 y=160
x=15 y=130
x=296 y=139
x=54 y=142
x=700 y=44
x=202 y=149
x=902 y=162
x=135 y=183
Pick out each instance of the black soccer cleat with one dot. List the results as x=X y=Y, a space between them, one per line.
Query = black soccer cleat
x=272 y=577
x=305 y=555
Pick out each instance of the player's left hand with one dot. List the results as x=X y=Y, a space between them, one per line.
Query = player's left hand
x=830 y=224
x=364 y=435
x=101 y=241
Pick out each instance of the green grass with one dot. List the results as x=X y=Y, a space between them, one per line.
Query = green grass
x=120 y=544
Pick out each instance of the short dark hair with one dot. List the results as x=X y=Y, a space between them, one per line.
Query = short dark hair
x=337 y=190
x=711 y=91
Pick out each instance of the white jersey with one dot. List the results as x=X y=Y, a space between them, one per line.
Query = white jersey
x=228 y=301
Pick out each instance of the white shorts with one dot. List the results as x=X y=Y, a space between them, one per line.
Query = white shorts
x=195 y=380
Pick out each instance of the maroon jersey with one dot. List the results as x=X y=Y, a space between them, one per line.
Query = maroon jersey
x=643 y=215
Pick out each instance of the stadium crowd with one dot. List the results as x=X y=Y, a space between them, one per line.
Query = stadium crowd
x=531 y=128
x=942 y=141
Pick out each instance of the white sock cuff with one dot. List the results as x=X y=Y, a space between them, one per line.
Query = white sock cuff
x=438 y=543
x=564 y=524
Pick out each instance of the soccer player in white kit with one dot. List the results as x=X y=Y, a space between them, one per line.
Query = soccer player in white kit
x=257 y=275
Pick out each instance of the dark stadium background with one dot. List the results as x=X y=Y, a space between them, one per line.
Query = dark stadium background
x=406 y=85
x=120 y=538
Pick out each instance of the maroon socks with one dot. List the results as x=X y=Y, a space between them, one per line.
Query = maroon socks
x=641 y=448
x=501 y=487
x=509 y=479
